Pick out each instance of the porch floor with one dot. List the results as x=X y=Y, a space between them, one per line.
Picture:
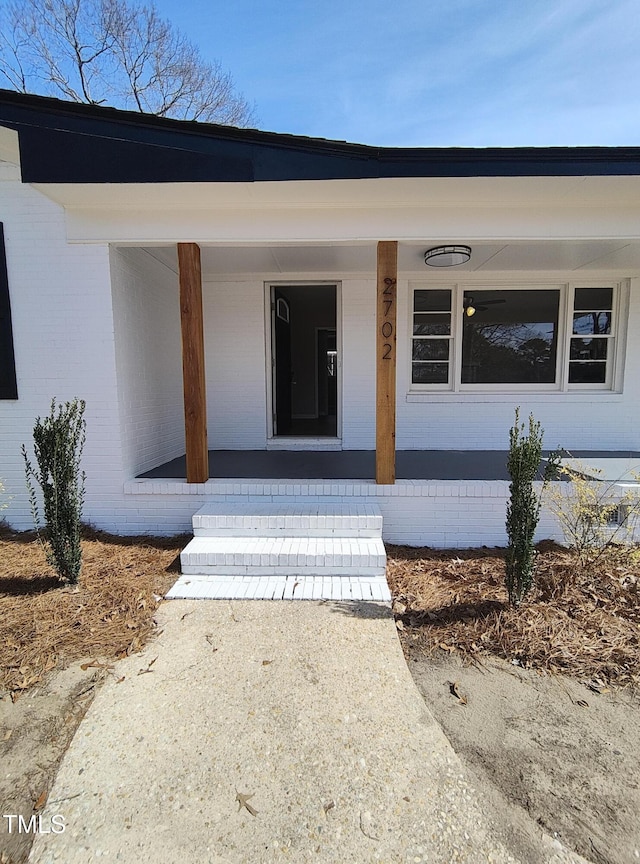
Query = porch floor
x=359 y=464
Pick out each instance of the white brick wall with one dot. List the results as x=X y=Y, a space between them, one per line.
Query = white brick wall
x=358 y=364
x=63 y=339
x=146 y=312
x=234 y=324
x=448 y=514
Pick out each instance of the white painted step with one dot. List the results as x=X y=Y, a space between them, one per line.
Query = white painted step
x=248 y=519
x=284 y=556
x=280 y=588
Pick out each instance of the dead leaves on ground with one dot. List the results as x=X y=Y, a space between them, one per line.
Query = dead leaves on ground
x=597 y=686
x=44 y=624
x=147 y=668
x=242 y=800
x=42 y=800
x=209 y=638
x=96 y=664
x=454 y=689
x=583 y=624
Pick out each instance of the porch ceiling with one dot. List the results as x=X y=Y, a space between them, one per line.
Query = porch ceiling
x=582 y=256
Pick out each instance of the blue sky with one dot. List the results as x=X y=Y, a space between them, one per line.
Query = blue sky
x=431 y=73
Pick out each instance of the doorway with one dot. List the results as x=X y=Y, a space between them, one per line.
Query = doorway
x=304 y=361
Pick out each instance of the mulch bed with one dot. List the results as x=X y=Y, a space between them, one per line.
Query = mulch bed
x=583 y=622
x=45 y=624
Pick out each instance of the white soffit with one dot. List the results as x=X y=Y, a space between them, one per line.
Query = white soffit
x=398 y=191
x=570 y=255
x=337 y=259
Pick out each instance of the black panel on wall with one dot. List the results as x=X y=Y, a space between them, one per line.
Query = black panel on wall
x=8 y=385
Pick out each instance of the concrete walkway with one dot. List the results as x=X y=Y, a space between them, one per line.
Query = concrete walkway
x=305 y=712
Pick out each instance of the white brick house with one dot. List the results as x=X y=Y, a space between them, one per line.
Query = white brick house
x=94 y=204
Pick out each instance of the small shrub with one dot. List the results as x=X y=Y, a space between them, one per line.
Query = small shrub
x=58 y=441
x=523 y=508
x=594 y=516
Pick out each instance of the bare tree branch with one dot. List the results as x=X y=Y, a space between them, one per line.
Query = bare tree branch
x=117 y=52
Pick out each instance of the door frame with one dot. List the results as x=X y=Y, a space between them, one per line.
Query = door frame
x=269 y=287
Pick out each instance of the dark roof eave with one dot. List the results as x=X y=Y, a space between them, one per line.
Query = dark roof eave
x=67 y=142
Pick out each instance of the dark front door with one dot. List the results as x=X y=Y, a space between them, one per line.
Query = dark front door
x=304 y=360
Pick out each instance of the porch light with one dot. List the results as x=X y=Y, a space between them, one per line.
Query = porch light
x=447 y=256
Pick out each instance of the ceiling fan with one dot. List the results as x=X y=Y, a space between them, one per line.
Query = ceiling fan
x=470 y=308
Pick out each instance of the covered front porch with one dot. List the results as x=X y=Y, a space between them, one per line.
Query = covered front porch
x=194 y=337
x=195 y=326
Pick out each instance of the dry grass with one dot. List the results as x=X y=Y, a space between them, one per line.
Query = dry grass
x=586 y=624
x=45 y=624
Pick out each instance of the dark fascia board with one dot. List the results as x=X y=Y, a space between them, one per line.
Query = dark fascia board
x=68 y=142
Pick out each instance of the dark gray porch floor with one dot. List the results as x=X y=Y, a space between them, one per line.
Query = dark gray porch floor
x=360 y=464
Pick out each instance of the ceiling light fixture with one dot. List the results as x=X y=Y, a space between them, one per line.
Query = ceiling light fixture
x=447 y=256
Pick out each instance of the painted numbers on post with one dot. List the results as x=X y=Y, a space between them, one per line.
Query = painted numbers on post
x=387 y=329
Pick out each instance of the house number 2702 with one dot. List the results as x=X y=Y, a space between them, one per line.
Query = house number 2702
x=387 y=327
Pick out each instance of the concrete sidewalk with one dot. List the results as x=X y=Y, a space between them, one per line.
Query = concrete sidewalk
x=304 y=711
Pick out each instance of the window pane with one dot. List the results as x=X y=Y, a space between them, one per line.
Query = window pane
x=587 y=373
x=432 y=301
x=593 y=298
x=425 y=324
x=588 y=349
x=511 y=338
x=430 y=349
x=592 y=322
x=430 y=373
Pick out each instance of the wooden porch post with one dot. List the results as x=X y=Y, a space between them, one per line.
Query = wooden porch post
x=195 y=400
x=386 y=361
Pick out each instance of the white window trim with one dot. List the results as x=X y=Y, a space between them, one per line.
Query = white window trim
x=612 y=364
x=567 y=288
x=453 y=338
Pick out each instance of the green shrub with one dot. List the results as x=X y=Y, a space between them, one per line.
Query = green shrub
x=58 y=441
x=523 y=508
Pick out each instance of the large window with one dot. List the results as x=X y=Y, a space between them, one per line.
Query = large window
x=548 y=338
x=511 y=337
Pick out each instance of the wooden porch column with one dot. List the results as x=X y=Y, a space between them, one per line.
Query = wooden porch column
x=195 y=400
x=386 y=303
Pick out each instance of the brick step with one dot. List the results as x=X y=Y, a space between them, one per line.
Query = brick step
x=246 y=519
x=281 y=588
x=284 y=556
